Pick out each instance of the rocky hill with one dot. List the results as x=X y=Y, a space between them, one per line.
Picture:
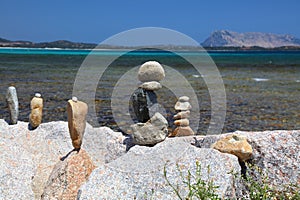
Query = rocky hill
x=54 y=44
x=226 y=38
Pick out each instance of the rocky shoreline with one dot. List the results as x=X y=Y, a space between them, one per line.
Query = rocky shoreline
x=41 y=163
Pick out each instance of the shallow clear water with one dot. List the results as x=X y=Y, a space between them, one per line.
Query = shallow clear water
x=262 y=88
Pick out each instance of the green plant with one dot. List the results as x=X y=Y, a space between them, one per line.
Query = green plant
x=197 y=187
x=259 y=187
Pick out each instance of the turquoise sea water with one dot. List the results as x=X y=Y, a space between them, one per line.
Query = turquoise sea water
x=262 y=87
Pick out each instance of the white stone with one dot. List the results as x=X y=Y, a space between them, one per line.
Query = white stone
x=184 y=99
x=152 y=85
x=151 y=71
x=13 y=104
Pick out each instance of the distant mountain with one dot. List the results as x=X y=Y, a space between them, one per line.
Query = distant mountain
x=55 y=44
x=226 y=38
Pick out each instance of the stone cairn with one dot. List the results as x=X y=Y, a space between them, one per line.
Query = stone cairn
x=182 y=122
x=144 y=98
x=13 y=104
x=77 y=111
x=36 y=115
x=152 y=126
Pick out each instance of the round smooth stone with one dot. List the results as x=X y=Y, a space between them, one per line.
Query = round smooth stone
x=151 y=71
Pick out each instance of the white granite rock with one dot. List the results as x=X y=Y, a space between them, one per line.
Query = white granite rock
x=139 y=173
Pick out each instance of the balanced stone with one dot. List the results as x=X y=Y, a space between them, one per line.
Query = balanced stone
x=36 y=105
x=181 y=118
x=77 y=111
x=151 y=71
x=184 y=99
x=13 y=104
x=182 y=105
x=182 y=131
x=142 y=100
x=152 y=85
x=152 y=132
x=234 y=144
x=182 y=115
x=182 y=122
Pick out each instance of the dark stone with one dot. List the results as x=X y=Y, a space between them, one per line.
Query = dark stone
x=142 y=100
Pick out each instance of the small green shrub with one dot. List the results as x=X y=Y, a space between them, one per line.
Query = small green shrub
x=256 y=182
x=259 y=187
x=197 y=187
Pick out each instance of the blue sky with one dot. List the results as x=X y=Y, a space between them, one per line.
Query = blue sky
x=94 y=21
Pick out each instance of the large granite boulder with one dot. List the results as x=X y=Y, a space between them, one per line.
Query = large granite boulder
x=139 y=174
x=28 y=157
x=68 y=175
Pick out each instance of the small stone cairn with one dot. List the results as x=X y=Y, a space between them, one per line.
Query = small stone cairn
x=36 y=115
x=13 y=104
x=77 y=111
x=182 y=122
x=152 y=127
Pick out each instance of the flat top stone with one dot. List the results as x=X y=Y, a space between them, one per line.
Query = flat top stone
x=184 y=99
x=182 y=105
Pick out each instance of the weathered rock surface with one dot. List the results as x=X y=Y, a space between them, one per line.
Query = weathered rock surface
x=234 y=144
x=13 y=104
x=68 y=175
x=277 y=153
x=77 y=111
x=139 y=173
x=28 y=157
x=151 y=71
x=142 y=100
x=152 y=132
x=36 y=115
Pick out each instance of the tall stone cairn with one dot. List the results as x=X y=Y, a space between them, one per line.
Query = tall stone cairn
x=36 y=115
x=13 y=104
x=77 y=111
x=144 y=99
x=182 y=122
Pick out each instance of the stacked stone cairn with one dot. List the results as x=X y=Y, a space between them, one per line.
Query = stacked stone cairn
x=13 y=104
x=182 y=122
x=152 y=126
x=36 y=115
x=77 y=111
